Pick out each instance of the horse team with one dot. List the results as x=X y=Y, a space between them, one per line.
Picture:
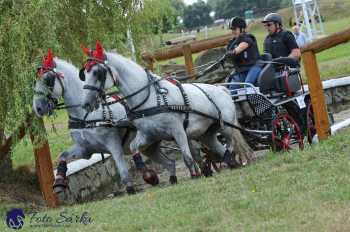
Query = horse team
x=150 y=109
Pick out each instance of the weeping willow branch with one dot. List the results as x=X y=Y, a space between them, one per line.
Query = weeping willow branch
x=19 y=133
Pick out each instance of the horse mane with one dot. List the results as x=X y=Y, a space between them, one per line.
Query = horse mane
x=67 y=67
x=124 y=64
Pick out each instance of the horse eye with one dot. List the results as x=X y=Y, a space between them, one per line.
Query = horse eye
x=49 y=80
x=95 y=72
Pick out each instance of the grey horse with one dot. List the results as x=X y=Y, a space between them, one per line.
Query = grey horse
x=212 y=108
x=59 y=78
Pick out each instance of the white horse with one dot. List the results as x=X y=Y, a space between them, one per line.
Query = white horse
x=210 y=106
x=59 y=78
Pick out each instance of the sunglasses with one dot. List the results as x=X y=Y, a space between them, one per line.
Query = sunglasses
x=268 y=24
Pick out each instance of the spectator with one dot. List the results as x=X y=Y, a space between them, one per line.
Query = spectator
x=300 y=37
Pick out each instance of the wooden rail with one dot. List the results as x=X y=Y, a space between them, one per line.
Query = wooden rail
x=309 y=59
x=188 y=49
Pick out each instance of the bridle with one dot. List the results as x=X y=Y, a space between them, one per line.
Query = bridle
x=102 y=74
x=49 y=81
x=92 y=61
x=49 y=76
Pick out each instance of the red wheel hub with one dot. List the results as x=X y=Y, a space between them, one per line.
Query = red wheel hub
x=285 y=132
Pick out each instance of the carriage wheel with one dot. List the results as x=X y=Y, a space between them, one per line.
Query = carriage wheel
x=285 y=133
x=310 y=122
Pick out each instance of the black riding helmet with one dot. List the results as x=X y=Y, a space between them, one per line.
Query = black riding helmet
x=273 y=17
x=237 y=22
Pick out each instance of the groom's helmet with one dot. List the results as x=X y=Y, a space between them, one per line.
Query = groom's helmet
x=237 y=22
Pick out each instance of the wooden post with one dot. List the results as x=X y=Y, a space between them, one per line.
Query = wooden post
x=317 y=95
x=150 y=64
x=186 y=50
x=44 y=170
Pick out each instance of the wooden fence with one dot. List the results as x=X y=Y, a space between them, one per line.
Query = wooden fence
x=314 y=80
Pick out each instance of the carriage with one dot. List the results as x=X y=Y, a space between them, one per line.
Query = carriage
x=278 y=113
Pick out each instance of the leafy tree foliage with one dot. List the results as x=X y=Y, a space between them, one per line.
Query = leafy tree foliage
x=230 y=8
x=29 y=27
x=197 y=15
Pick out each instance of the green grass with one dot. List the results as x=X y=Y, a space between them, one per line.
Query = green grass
x=298 y=191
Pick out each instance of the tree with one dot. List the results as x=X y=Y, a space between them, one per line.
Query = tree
x=197 y=15
x=29 y=27
x=231 y=8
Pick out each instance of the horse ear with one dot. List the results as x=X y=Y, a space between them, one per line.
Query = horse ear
x=99 y=49
x=85 y=49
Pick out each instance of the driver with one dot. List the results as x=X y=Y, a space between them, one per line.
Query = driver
x=279 y=42
x=243 y=51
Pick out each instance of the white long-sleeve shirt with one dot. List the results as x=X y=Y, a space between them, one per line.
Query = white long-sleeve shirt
x=300 y=38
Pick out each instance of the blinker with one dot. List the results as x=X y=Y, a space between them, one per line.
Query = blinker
x=82 y=74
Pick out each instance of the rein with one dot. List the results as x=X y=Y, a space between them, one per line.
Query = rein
x=149 y=84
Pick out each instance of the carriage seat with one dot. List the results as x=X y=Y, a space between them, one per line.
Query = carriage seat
x=291 y=62
x=270 y=80
x=267 y=79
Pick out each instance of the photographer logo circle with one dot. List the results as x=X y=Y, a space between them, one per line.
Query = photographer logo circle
x=15 y=219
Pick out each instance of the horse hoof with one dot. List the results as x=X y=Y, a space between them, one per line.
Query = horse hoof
x=59 y=185
x=173 y=180
x=150 y=177
x=58 y=189
x=195 y=175
x=207 y=172
x=130 y=190
x=230 y=161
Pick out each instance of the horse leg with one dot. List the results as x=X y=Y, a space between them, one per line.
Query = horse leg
x=243 y=154
x=140 y=142
x=153 y=152
x=116 y=150
x=182 y=141
x=74 y=152
x=195 y=151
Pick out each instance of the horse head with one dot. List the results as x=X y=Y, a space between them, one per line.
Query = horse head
x=98 y=76
x=48 y=87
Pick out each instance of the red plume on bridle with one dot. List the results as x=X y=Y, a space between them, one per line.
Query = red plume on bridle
x=98 y=53
x=86 y=50
x=47 y=63
x=94 y=56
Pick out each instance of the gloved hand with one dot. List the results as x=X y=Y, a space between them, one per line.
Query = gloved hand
x=230 y=53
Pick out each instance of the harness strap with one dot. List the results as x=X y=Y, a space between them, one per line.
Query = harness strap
x=179 y=109
x=77 y=123
x=186 y=104
x=157 y=110
x=151 y=82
